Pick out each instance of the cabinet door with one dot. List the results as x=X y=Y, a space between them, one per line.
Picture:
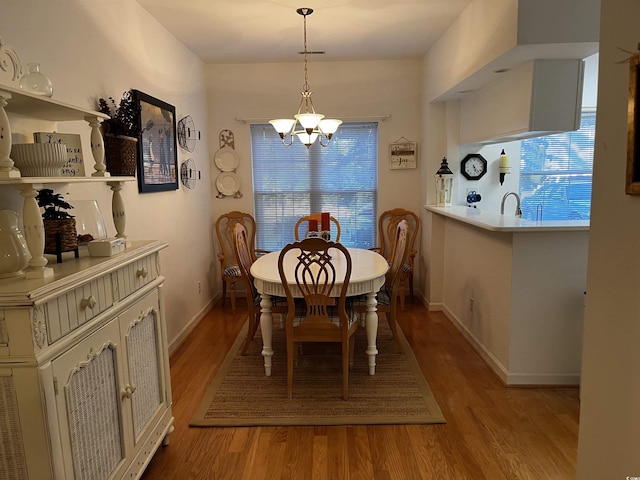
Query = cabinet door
x=141 y=328
x=88 y=380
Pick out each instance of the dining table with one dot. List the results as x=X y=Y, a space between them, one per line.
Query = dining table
x=368 y=269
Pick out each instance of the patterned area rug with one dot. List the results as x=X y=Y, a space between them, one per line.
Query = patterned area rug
x=241 y=394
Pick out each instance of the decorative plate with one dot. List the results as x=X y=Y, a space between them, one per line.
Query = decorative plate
x=226 y=159
x=228 y=183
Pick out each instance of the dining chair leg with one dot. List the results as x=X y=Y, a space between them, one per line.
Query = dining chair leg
x=252 y=328
x=352 y=342
x=402 y=285
x=233 y=298
x=224 y=291
x=345 y=370
x=411 y=287
x=290 y=354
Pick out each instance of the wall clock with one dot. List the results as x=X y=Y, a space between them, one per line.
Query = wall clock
x=473 y=166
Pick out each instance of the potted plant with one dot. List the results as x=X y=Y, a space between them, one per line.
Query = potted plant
x=59 y=226
x=121 y=131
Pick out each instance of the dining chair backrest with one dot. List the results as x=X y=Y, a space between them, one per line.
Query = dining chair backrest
x=245 y=258
x=398 y=257
x=225 y=226
x=316 y=274
x=301 y=230
x=387 y=224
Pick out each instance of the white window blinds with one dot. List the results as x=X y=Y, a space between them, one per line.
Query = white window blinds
x=290 y=182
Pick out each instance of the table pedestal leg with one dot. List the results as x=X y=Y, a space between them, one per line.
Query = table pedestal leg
x=371 y=326
x=266 y=327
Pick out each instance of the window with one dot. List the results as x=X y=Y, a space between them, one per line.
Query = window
x=556 y=172
x=290 y=182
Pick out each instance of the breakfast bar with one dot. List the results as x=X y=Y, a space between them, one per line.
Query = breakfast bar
x=514 y=287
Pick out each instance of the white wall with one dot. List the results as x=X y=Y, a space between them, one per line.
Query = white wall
x=350 y=91
x=97 y=49
x=609 y=443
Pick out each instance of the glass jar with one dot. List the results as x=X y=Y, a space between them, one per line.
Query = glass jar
x=36 y=82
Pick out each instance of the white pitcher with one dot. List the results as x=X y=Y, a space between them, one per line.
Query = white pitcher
x=14 y=254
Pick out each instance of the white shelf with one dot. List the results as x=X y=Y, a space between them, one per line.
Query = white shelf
x=24 y=103
x=62 y=180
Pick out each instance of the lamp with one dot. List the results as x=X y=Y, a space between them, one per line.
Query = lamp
x=444 y=185
x=505 y=166
x=308 y=126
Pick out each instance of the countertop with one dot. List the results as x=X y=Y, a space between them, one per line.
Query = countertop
x=506 y=223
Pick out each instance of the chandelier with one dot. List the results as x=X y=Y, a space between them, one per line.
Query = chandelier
x=308 y=126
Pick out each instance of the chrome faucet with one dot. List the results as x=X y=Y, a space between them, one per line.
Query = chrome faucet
x=518 y=211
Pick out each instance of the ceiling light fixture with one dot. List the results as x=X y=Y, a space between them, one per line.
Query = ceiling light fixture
x=308 y=126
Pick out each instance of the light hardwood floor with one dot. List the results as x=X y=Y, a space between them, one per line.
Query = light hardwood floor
x=492 y=432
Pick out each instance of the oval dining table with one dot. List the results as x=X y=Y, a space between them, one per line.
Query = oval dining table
x=368 y=270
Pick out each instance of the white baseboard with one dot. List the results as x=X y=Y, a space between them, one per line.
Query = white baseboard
x=507 y=377
x=190 y=325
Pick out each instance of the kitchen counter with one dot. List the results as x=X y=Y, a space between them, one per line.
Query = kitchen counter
x=496 y=222
x=514 y=288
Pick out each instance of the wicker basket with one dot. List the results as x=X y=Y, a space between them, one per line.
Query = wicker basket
x=121 y=154
x=60 y=236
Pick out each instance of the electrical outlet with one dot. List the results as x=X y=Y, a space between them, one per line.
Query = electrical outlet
x=471 y=300
x=199 y=287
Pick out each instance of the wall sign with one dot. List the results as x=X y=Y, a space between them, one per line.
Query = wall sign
x=403 y=154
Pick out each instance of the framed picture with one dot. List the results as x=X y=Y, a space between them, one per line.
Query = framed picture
x=402 y=155
x=157 y=147
x=633 y=129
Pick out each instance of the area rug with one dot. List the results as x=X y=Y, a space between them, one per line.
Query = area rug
x=242 y=395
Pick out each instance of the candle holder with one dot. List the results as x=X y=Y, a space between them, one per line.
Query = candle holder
x=325 y=235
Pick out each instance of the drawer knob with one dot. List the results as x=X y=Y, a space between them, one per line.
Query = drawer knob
x=142 y=273
x=128 y=390
x=88 y=302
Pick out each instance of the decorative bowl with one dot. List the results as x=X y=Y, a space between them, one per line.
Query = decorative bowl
x=39 y=159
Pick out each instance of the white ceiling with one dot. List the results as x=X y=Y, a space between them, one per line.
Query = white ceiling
x=249 y=31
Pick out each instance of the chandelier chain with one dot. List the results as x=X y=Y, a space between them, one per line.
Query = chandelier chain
x=306 y=81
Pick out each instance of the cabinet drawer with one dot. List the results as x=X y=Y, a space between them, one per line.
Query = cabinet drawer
x=136 y=275
x=67 y=312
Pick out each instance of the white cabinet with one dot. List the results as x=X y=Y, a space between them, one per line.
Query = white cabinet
x=85 y=391
x=540 y=97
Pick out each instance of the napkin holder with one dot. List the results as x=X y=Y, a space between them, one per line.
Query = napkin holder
x=106 y=247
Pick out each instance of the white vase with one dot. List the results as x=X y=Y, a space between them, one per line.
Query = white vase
x=36 y=82
x=14 y=252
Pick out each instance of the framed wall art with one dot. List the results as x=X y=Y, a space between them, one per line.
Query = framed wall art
x=402 y=154
x=157 y=146
x=633 y=128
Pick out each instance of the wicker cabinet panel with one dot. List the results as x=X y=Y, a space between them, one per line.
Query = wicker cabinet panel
x=89 y=379
x=67 y=312
x=12 y=460
x=136 y=275
x=145 y=359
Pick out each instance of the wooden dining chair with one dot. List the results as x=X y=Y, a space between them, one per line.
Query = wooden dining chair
x=229 y=270
x=318 y=319
x=301 y=230
x=387 y=297
x=245 y=259
x=387 y=223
